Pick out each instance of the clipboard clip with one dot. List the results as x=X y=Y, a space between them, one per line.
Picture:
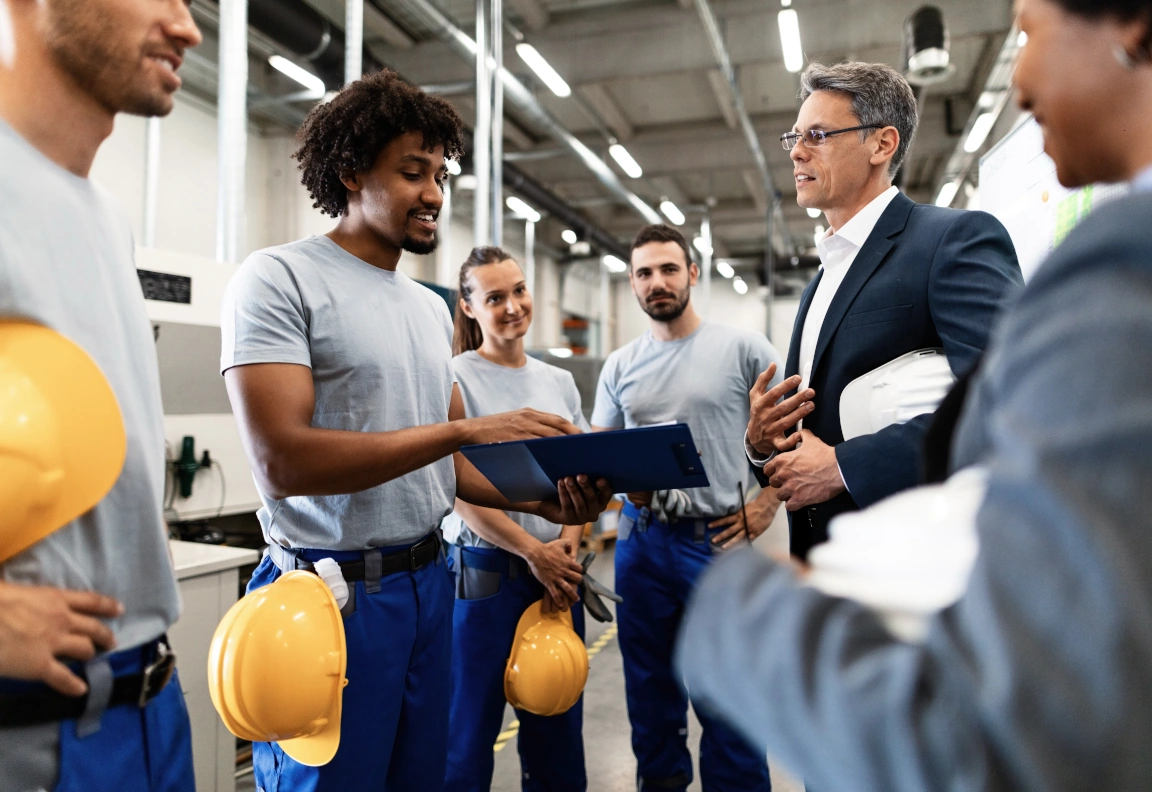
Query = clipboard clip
x=688 y=461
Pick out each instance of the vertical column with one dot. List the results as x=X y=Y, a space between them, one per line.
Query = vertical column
x=488 y=148
x=530 y=272
x=232 y=130
x=446 y=268
x=706 y=264
x=602 y=349
x=496 y=52
x=769 y=273
x=482 y=134
x=151 y=179
x=353 y=40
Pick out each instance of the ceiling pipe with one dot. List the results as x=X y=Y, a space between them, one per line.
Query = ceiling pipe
x=541 y=197
x=724 y=61
x=513 y=178
x=299 y=28
x=519 y=95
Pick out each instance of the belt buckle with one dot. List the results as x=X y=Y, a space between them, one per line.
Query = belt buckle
x=157 y=673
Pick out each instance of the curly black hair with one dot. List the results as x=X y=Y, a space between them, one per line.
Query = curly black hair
x=347 y=134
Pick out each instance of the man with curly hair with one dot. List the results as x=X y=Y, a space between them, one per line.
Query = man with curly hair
x=339 y=370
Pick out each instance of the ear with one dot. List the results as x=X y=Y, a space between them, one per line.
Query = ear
x=352 y=181
x=693 y=273
x=1136 y=39
x=885 y=146
x=466 y=308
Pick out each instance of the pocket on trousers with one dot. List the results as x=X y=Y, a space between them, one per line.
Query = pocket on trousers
x=624 y=527
x=476 y=584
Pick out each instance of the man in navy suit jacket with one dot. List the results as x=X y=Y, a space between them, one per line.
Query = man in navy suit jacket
x=895 y=276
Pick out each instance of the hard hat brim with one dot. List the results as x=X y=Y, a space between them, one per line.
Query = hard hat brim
x=89 y=421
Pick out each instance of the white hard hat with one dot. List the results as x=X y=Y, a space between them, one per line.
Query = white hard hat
x=898 y=391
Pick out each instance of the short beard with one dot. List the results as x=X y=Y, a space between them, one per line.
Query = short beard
x=418 y=247
x=672 y=312
x=88 y=47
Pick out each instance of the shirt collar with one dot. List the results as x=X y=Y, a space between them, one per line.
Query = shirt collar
x=856 y=231
x=1143 y=180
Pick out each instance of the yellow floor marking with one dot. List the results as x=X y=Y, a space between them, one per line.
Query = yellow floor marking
x=514 y=727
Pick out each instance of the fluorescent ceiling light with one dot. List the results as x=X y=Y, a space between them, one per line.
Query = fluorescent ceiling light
x=672 y=212
x=614 y=264
x=790 y=39
x=625 y=161
x=724 y=268
x=814 y=213
x=453 y=167
x=466 y=182
x=522 y=209
x=700 y=245
x=739 y=285
x=543 y=69
x=979 y=133
x=947 y=193
x=786 y=3
x=300 y=75
x=569 y=236
x=560 y=352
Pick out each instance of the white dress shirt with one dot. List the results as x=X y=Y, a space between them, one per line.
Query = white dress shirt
x=837 y=249
x=837 y=252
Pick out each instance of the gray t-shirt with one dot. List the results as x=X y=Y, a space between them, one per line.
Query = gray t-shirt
x=489 y=388
x=702 y=380
x=380 y=349
x=67 y=262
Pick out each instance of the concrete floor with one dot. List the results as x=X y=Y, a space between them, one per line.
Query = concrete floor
x=607 y=735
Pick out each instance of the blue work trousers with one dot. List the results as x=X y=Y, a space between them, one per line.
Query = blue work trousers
x=656 y=568
x=552 y=748
x=394 y=724
x=144 y=749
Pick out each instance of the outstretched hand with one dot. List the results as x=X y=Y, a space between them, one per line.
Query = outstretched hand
x=768 y=420
x=579 y=501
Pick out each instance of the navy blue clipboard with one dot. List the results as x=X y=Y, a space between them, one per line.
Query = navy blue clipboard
x=632 y=460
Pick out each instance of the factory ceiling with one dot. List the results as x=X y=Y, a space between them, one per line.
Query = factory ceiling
x=643 y=72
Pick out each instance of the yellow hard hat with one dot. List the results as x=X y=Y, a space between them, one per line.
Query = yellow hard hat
x=548 y=666
x=276 y=667
x=62 y=441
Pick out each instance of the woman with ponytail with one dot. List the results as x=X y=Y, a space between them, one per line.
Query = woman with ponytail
x=506 y=561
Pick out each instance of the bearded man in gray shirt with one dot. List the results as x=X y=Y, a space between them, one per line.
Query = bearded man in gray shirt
x=690 y=370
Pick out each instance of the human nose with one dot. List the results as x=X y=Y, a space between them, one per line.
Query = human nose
x=432 y=195
x=182 y=26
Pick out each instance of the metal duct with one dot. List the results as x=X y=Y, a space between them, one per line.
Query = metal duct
x=354 y=34
x=540 y=196
x=296 y=26
x=232 y=130
x=519 y=95
x=775 y=214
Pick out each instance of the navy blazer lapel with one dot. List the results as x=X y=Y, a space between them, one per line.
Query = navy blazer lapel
x=793 y=365
x=890 y=224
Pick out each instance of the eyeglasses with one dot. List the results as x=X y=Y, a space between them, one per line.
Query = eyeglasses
x=817 y=137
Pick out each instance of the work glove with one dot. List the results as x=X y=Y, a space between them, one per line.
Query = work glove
x=593 y=590
x=668 y=506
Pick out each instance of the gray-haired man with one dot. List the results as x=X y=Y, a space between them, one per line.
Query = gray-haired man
x=894 y=277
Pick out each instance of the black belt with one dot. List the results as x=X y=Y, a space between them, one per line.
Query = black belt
x=418 y=556
x=44 y=705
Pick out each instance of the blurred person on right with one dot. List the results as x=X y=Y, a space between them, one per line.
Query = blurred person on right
x=1040 y=676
